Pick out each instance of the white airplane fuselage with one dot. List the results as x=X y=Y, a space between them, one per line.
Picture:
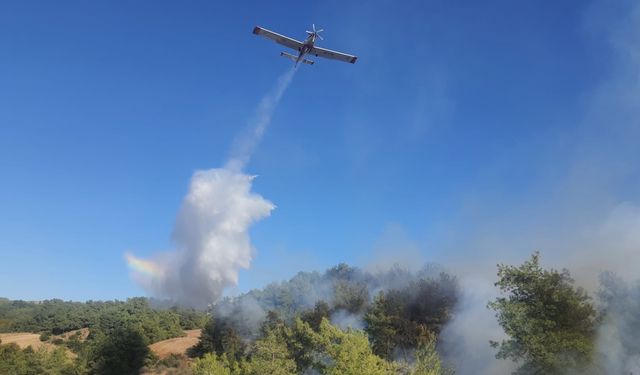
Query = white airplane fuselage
x=306 y=47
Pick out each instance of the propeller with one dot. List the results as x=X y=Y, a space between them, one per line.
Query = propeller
x=315 y=32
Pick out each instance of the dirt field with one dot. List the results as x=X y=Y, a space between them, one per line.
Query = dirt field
x=178 y=345
x=162 y=349
x=24 y=339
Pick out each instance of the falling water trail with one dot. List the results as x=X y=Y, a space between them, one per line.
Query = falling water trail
x=211 y=233
x=245 y=144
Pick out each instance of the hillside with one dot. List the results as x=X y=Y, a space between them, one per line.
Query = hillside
x=24 y=339
x=177 y=345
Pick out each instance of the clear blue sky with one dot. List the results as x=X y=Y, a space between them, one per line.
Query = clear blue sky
x=108 y=107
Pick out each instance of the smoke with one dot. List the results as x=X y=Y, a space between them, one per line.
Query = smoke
x=345 y=320
x=346 y=293
x=618 y=345
x=586 y=220
x=211 y=231
x=464 y=342
x=245 y=315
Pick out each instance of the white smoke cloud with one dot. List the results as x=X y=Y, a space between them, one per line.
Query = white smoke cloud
x=618 y=344
x=465 y=340
x=346 y=320
x=211 y=231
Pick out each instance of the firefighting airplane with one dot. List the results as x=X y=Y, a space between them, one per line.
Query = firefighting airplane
x=304 y=48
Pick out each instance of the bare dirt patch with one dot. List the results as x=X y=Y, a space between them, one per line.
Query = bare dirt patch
x=177 y=345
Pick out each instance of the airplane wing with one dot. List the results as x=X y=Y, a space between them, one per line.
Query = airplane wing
x=278 y=38
x=335 y=55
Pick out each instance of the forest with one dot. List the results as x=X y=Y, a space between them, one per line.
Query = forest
x=343 y=321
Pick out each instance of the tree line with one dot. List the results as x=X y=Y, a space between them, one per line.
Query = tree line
x=57 y=316
x=343 y=321
x=120 y=332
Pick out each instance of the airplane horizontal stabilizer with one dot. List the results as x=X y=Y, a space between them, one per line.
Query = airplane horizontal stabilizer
x=289 y=56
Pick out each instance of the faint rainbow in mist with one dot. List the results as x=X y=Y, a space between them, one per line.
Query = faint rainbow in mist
x=142 y=266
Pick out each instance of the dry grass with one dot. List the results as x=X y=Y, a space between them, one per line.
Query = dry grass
x=162 y=349
x=178 y=345
x=24 y=339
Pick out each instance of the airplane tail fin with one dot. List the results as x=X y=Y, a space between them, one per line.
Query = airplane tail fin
x=310 y=62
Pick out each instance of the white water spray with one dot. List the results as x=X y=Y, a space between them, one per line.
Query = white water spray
x=211 y=230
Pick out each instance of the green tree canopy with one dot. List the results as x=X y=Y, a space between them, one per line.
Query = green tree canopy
x=271 y=356
x=348 y=352
x=550 y=324
x=16 y=361
x=211 y=364
x=121 y=352
x=400 y=320
x=427 y=361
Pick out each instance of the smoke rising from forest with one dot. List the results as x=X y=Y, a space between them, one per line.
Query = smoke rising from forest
x=345 y=294
x=211 y=231
x=587 y=220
